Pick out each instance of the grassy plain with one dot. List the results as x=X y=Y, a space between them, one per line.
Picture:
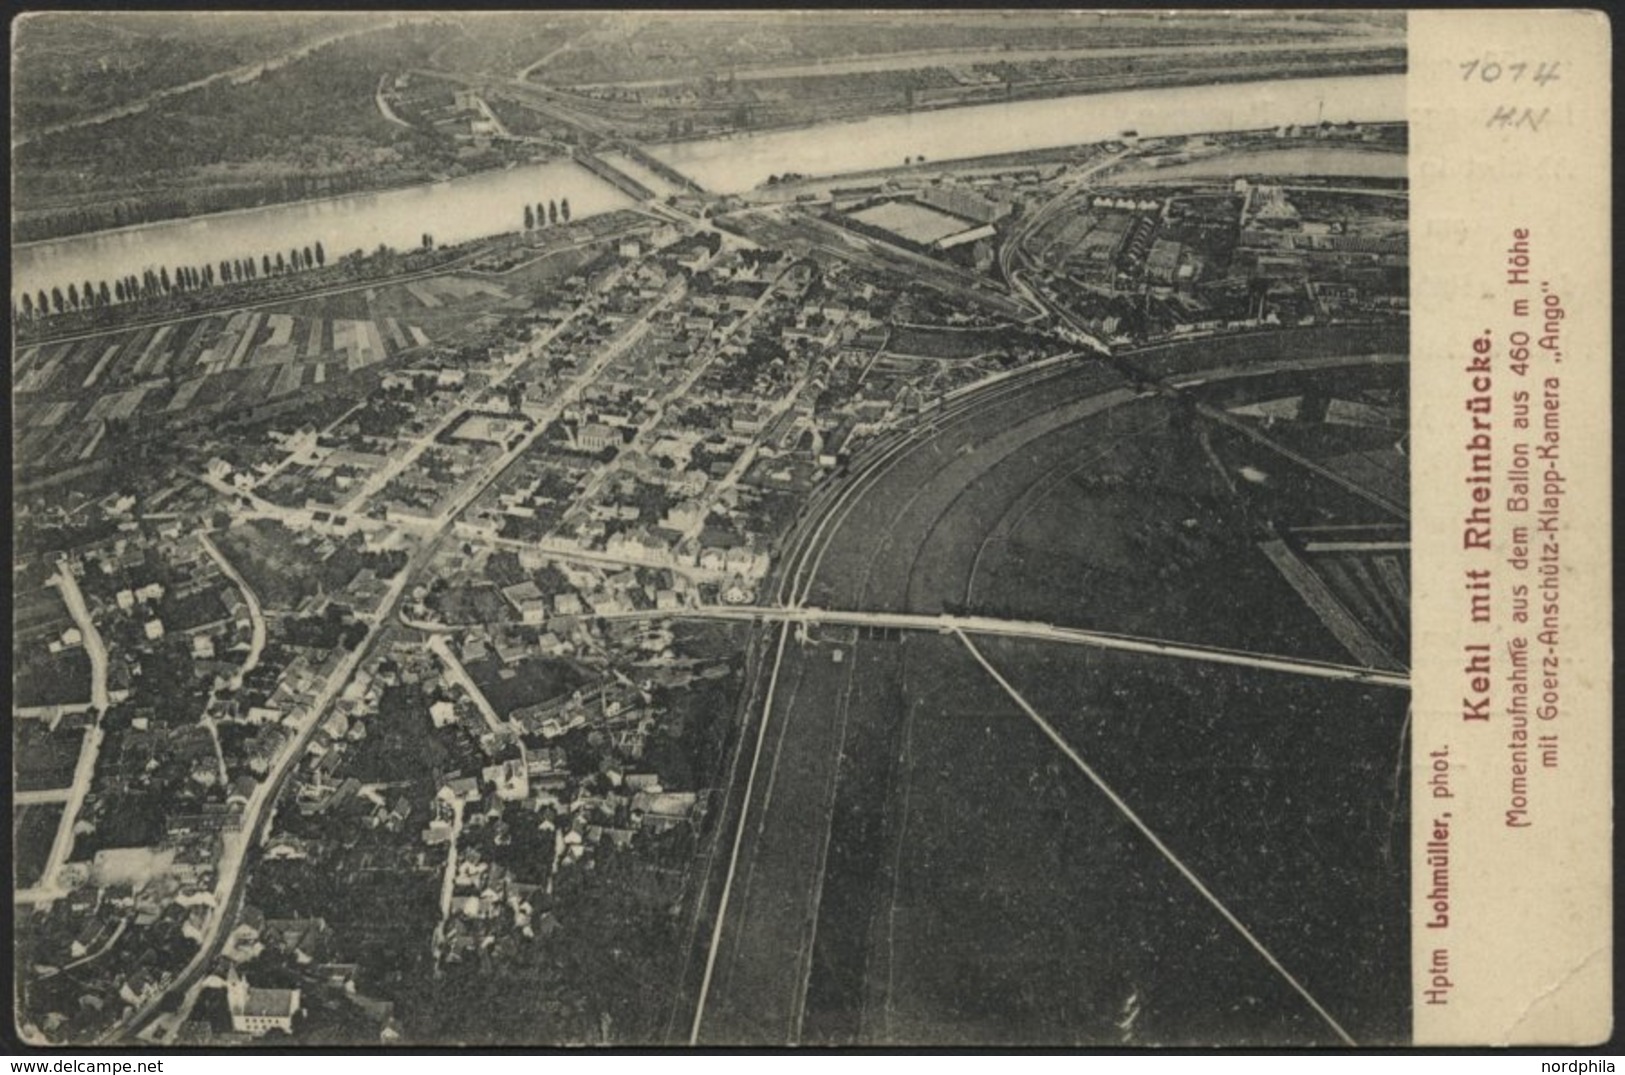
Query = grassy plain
x=33 y=829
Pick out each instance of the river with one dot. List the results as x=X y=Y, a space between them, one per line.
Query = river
x=453 y=211
x=492 y=202
x=731 y=165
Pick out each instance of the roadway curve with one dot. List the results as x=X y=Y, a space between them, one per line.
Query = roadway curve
x=903 y=534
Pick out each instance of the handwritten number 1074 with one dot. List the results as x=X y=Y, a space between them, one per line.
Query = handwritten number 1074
x=1493 y=71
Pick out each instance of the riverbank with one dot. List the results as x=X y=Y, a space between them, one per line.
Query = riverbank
x=875 y=105
x=166 y=208
x=45 y=225
x=372 y=271
x=450 y=212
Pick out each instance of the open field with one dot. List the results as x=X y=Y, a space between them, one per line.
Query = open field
x=1094 y=528
x=1068 y=504
x=853 y=893
x=998 y=848
x=756 y=989
x=916 y=223
x=38 y=611
x=1146 y=525
x=964 y=853
x=1293 y=164
x=1287 y=797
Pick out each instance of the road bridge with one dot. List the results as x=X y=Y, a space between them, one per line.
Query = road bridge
x=658 y=166
x=612 y=175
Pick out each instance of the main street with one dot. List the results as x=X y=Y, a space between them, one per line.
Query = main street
x=95 y=649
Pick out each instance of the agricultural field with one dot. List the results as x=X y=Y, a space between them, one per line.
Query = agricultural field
x=71 y=395
x=67 y=394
